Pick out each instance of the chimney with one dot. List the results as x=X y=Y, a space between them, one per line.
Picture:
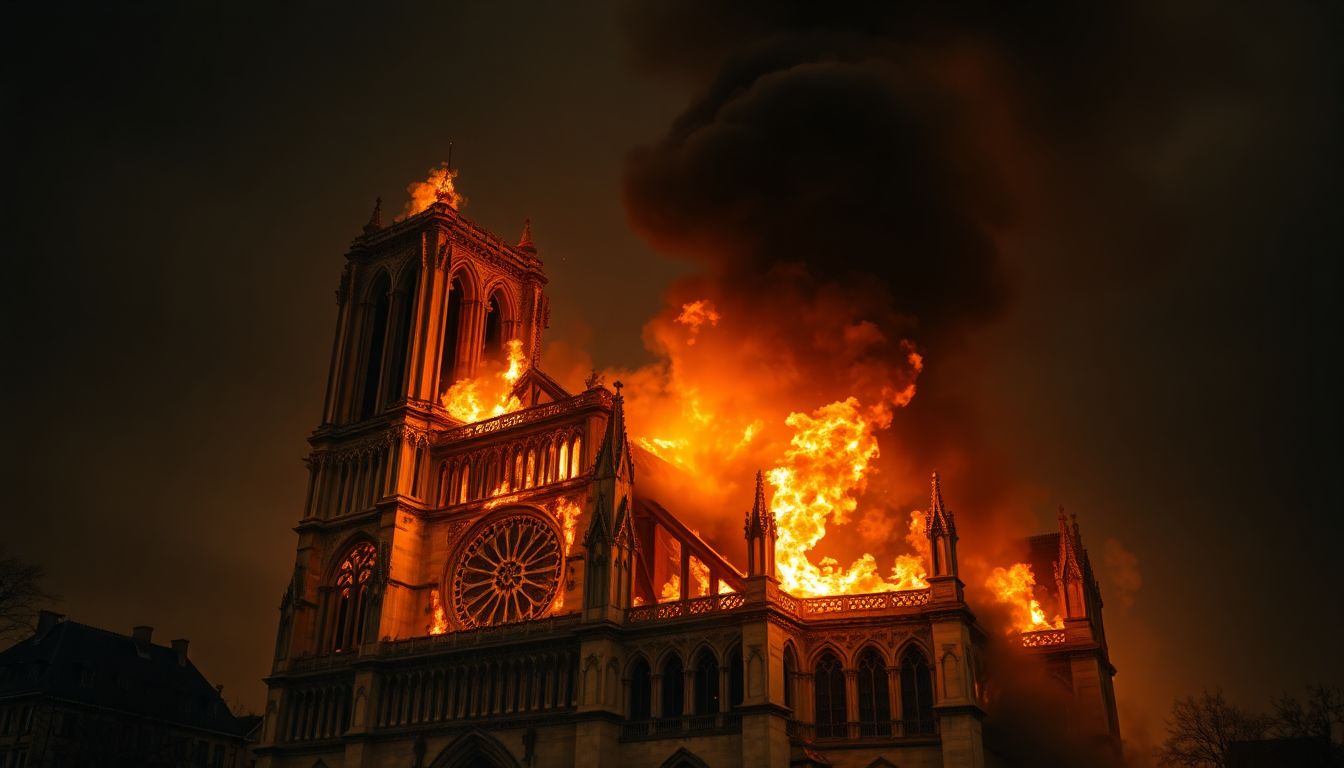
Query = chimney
x=180 y=648
x=142 y=634
x=46 y=621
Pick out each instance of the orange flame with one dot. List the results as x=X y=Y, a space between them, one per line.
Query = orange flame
x=490 y=395
x=438 y=187
x=671 y=590
x=822 y=473
x=1016 y=586
x=567 y=514
x=439 y=625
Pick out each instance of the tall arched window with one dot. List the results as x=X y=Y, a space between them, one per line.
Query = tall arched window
x=674 y=687
x=641 y=690
x=492 y=346
x=829 y=684
x=451 y=328
x=790 y=675
x=735 y=676
x=916 y=693
x=352 y=583
x=375 y=320
x=575 y=456
x=874 y=700
x=706 y=684
x=398 y=361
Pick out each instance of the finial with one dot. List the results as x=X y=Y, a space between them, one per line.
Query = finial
x=594 y=380
x=525 y=240
x=618 y=386
x=1061 y=513
x=375 y=218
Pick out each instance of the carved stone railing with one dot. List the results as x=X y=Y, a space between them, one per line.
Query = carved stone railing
x=876 y=601
x=509 y=420
x=1043 y=638
x=680 y=727
x=859 y=731
x=467 y=638
x=694 y=607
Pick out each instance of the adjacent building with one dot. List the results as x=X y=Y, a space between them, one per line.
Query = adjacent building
x=76 y=695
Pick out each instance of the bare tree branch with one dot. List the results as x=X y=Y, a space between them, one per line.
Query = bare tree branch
x=21 y=596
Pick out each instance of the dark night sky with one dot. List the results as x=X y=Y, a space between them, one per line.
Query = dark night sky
x=183 y=185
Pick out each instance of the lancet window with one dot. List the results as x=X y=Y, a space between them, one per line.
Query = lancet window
x=674 y=688
x=706 y=684
x=641 y=690
x=916 y=693
x=351 y=596
x=874 y=700
x=829 y=687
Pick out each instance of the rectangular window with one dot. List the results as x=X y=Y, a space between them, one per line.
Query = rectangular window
x=219 y=756
x=25 y=725
x=20 y=758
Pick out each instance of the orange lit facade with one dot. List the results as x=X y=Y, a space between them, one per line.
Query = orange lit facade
x=499 y=592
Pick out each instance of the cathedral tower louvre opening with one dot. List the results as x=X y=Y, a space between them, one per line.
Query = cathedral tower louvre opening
x=486 y=574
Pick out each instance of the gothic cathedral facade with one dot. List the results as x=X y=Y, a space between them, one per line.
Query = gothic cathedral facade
x=477 y=593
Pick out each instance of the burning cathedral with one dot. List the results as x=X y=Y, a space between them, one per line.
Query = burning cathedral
x=489 y=585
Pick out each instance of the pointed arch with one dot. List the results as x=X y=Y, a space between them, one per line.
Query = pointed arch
x=406 y=301
x=916 y=692
x=674 y=686
x=684 y=758
x=832 y=715
x=790 y=675
x=475 y=749
x=500 y=314
x=736 y=677
x=873 y=692
x=376 y=308
x=706 y=695
x=640 y=675
x=349 y=579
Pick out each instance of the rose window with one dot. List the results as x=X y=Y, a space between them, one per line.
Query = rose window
x=507 y=571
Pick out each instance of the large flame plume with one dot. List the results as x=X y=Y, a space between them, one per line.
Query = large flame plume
x=722 y=404
x=490 y=394
x=822 y=472
x=1016 y=587
x=439 y=186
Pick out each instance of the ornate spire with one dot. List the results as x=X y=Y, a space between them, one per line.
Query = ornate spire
x=760 y=530
x=761 y=519
x=525 y=240
x=1067 y=566
x=939 y=518
x=375 y=218
x=615 y=445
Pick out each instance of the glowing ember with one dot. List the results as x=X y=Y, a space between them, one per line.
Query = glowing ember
x=567 y=514
x=671 y=590
x=695 y=314
x=821 y=475
x=438 y=187
x=1016 y=586
x=439 y=625
x=490 y=395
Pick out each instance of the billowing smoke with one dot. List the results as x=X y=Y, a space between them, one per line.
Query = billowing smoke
x=844 y=187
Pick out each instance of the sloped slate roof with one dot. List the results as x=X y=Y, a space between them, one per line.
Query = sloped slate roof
x=79 y=663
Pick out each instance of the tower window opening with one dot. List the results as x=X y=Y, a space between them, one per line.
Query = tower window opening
x=352 y=578
x=451 y=328
x=376 y=320
x=735 y=677
x=398 y=361
x=492 y=346
x=790 y=676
